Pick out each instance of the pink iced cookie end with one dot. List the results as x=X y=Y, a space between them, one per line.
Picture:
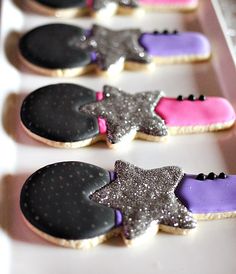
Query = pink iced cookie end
x=169 y=2
x=213 y=110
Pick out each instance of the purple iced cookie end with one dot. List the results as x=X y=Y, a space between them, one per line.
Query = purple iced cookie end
x=174 y=45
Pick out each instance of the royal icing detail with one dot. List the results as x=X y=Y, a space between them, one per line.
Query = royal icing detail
x=125 y=113
x=145 y=197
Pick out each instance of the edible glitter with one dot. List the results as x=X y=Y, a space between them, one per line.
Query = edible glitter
x=145 y=196
x=125 y=113
x=112 y=47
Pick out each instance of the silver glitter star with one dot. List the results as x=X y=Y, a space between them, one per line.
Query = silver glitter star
x=113 y=47
x=100 y=4
x=145 y=197
x=127 y=114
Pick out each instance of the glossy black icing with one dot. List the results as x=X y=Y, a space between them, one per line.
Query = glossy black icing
x=62 y=4
x=201 y=177
x=180 y=98
x=54 y=46
x=55 y=200
x=191 y=97
x=211 y=176
x=202 y=97
x=222 y=175
x=52 y=112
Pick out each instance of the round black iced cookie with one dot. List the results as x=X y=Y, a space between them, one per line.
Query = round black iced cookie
x=53 y=46
x=62 y=4
x=53 y=112
x=55 y=200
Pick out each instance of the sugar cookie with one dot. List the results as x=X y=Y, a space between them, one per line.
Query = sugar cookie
x=69 y=115
x=79 y=205
x=66 y=50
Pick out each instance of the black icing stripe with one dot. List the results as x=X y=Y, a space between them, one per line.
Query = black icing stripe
x=55 y=200
x=62 y=4
x=54 y=47
x=52 y=112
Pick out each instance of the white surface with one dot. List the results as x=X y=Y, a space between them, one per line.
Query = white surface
x=212 y=248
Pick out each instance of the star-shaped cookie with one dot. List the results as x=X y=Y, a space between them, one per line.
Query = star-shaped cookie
x=115 y=47
x=146 y=197
x=126 y=114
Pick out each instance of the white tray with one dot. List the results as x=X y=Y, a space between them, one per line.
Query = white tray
x=212 y=248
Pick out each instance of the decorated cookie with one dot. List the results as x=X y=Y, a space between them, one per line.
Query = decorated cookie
x=69 y=115
x=100 y=8
x=66 y=50
x=79 y=205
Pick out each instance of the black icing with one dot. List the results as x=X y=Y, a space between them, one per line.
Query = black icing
x=61 y=4
x=201 y=177
x=180 y=98
x=222 y=175
x=202 y=97
x=191 y=97
x=211 y=176
x=165 y=32
x=54 y=47
x=55 y=200
x=52 y=112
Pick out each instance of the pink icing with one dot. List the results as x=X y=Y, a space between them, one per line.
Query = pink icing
x=187 y=113
x=157 y=2
x=99 y=96
x=102 y=125
x=101 y=122
x=89 y=3
x=168 y=2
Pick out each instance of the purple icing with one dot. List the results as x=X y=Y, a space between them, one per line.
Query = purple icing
x=118 y=214
x=112 y=175
x=209 y=196
x=186 y=43
x=93 y=56
x=118 y=218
